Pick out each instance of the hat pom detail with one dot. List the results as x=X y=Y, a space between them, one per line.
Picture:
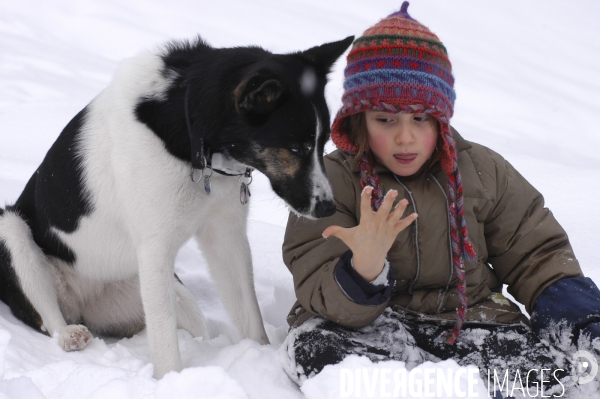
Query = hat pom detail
x=404 y=10
x=404 y=7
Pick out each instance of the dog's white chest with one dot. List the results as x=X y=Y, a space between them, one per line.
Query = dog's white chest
x=106 y=242
x=103 y=247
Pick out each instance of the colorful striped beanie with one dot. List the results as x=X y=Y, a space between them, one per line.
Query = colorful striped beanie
x=399 y=65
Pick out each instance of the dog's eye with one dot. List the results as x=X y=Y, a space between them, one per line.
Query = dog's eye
x=308 y=147
x=295 y=150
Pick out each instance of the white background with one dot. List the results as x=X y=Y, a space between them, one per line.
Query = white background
x=527 y=86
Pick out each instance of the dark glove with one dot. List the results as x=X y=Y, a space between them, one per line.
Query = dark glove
x=575 y=300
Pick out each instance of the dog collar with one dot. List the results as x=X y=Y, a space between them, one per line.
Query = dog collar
x=218 y=163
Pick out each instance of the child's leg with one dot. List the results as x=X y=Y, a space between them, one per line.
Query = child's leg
x=318 y=342
x=496 y=349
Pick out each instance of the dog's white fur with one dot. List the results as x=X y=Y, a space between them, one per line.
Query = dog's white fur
x=145 y=207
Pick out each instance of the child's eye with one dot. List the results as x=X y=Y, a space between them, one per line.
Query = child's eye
x=384 y=120
x=421 y=117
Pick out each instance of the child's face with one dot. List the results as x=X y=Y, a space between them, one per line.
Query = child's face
x=401 y=142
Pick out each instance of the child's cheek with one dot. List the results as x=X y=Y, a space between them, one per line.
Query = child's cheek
x=379 y=145
x=429 y=143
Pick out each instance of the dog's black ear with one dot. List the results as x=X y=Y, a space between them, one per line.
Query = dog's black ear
x=325 y=55
x=258 y=94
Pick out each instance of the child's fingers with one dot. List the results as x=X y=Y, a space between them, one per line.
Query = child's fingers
x=344 y=234
x=386 y=205
x=404 y=223
x=365 y=201
x=399 y=209
x=335 y=231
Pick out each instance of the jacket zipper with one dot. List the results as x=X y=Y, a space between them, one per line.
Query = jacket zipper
x=449 y=243
x=415 y=237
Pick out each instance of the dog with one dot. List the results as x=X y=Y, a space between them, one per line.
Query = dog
x=165 y=153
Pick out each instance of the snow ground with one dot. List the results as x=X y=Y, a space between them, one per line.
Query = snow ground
x=527 y=87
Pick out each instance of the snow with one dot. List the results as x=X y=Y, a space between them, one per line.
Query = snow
x=391 y=379
x=527 y=86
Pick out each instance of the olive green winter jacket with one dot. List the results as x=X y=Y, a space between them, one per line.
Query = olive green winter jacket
x=518 y=243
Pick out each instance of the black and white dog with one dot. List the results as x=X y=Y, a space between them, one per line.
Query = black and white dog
x=91 y=242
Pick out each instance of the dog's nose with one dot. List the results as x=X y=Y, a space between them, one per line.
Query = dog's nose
x=324 y=208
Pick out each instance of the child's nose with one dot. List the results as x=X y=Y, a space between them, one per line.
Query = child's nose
x=404 y=135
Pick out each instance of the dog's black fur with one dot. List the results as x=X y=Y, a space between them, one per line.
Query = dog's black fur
x=54 y=195
x=234 y=93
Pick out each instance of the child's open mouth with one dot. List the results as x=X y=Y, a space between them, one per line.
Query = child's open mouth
x=405 y=158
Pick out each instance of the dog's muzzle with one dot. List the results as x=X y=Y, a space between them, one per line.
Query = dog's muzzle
x=324 y=208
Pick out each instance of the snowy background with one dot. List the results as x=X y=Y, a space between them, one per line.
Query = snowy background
x=528 y=86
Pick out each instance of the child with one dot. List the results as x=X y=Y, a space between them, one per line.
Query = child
x=426 y=286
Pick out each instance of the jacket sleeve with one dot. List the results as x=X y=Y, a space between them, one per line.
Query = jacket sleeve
x=527 y=248
x=357 y=288
x=313 y=260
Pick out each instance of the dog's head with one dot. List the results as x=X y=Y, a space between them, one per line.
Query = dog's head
x=280 y=125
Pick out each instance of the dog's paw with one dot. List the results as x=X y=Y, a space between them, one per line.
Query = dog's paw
x=74 y=337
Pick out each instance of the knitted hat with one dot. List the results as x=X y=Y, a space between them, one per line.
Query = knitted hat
x=399 y=65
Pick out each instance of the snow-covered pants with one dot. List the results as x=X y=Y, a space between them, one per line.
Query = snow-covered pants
x=394 y=336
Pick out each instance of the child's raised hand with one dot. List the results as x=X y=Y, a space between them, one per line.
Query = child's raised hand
x=371 y=240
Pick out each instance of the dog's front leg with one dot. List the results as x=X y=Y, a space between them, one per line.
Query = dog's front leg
x=225 y=246
x=156 y=267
